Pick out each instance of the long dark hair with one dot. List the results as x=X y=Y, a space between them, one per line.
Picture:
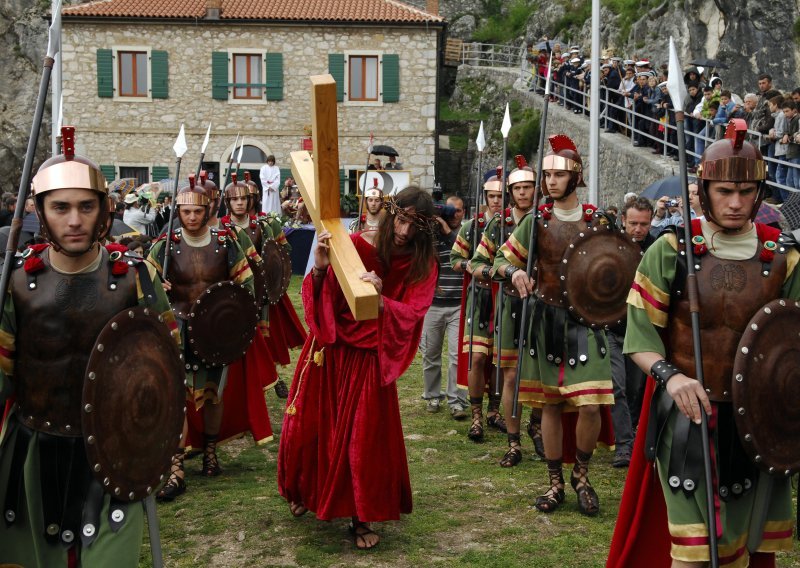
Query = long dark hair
x=424 y=253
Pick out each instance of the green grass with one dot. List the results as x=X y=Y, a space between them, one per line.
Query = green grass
x=467 y=510
x=447 y=113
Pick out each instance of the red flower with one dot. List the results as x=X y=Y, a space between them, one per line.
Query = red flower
x=119 y=268
x=33 y=264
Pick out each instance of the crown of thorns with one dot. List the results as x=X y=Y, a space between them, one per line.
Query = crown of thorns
x=420 y=221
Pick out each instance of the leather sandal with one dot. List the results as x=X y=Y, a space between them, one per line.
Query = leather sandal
x=514 y=454
x=211 y=467
x=297 y=509
x=551 y=500
x=497 y=422
x=588 y=500
x=359 y=531
x=535 y=432
x=476 y=430
x=176 y=484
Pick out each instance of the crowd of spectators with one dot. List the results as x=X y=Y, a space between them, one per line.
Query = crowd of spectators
x=635 y=100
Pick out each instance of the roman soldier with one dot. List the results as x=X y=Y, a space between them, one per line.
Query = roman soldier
x=476 y=338
x=374 y=210
x=566 y=367
x=87 y=335
x=747 y=287
x=207 y=264
x=521 y=191
x=249 y=376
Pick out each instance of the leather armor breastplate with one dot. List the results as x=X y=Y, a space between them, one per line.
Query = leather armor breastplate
x=61 y=318
x=552 y=241
x=193 y=269
x=731 y=292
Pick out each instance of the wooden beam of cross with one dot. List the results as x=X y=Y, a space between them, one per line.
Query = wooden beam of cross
x=318 y=180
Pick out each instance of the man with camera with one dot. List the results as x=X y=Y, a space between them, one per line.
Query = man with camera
x=443 y=316
x=667 y=214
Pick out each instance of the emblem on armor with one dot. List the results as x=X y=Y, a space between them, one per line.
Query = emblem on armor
x=78 y=294
x=730 y=277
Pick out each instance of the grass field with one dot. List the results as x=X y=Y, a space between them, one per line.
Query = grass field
x=467 y=510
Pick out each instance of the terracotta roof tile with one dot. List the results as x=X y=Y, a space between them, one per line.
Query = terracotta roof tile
x=388 y=11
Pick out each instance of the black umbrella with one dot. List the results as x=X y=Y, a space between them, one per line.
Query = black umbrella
x=668 y=186
x=548 y=44
x=383 y=150
x=119 y=228
x=706 y=62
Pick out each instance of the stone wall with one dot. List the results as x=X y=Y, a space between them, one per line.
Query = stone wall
x=623 y=168
x=142 y=133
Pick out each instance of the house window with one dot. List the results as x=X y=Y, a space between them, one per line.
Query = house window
x=140 y=174
x=132 y=73
x=363 y=78
x=247 y=71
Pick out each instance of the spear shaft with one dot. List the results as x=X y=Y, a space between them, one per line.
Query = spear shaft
x=472 y=250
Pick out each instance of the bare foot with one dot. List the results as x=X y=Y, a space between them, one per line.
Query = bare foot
x=297 y=509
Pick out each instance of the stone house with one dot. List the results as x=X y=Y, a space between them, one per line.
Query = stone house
x=135 y=70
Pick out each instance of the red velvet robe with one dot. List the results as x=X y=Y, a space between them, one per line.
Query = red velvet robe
x=342 y=452
x=245 y=409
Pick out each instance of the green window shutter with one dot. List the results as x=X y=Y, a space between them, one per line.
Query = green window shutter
x=342 y=181
x=219 y=75
x=105 y=73
x=336 y=68
x=159 y=172
x=391 y=78
x=110 y=172
x=159 y=74
x=274 y=76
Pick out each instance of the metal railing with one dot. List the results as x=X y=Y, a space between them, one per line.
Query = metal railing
x=492 y=55
x=644 y=130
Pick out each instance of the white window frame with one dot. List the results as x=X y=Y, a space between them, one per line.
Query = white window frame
x=115 y=74
x=247 y=51
x=363 y=53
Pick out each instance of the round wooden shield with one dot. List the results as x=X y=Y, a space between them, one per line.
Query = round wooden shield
x=133 y=403
x=278 y=266
x=221 y=324
x=766 y=388
x=596 y=274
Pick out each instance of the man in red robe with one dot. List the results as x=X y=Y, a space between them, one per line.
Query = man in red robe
x=342 y=452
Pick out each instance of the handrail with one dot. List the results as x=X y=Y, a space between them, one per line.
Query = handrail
x=491 y=55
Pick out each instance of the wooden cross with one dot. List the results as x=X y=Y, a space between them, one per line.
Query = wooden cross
x=318 y=180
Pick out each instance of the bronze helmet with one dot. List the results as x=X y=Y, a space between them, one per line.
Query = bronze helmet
x=731 y=159
x=236 y=189
x=193 y=194
x=564 y=156
x=71 y=171
x=212 y=190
